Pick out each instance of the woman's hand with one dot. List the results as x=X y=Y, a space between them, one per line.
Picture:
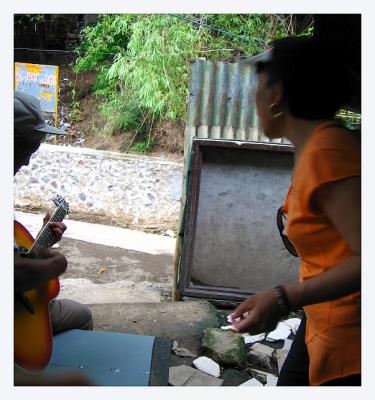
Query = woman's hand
x=58 y=228
x=257 y=314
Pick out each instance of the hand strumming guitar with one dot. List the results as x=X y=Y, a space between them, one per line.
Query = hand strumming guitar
x=30 y=273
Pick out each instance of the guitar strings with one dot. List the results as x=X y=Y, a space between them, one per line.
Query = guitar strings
x=45 y=238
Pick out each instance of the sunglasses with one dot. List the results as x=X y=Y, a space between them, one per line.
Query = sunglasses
x=280 y=225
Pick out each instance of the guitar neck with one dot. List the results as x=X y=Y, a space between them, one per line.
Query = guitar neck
x=45 y=237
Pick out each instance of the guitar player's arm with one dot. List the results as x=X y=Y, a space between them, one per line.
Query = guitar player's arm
x=30 y=273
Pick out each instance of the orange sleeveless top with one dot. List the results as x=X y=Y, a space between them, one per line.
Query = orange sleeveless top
x=333 y=329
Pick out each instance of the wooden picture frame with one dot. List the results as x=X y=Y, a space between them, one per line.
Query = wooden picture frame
x=213 y=227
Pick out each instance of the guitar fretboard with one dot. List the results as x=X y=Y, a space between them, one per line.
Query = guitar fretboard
x=45 y=237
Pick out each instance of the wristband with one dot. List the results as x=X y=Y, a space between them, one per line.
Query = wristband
x=282 y=299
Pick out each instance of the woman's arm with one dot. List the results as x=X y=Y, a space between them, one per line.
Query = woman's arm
x=341 y=202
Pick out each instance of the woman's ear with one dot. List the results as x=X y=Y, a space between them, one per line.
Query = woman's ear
x=277 y=94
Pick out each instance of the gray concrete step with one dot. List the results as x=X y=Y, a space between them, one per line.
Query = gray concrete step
x=170 y=320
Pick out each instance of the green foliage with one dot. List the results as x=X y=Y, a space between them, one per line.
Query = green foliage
x=75 y=111
x=350 y=119
x=102 y=42
x=144 y=146
x=259 y=29
x=75 y=108
x=142 y=61
x=121 y=115
x=308 y=32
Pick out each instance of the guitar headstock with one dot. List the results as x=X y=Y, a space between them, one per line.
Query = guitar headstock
x=59 y=201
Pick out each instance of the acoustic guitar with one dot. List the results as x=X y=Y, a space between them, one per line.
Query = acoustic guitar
x=32 y=325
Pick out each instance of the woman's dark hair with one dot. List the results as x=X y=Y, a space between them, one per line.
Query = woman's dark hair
x=314 y=76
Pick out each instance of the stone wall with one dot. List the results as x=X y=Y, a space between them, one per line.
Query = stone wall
x=135 y=190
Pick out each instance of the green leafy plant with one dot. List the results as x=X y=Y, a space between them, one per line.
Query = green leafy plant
x=75 y=107
x=143 y=147
x=351 y=120
x=142 y=61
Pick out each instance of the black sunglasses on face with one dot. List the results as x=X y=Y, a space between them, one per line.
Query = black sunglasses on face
x=280 y=225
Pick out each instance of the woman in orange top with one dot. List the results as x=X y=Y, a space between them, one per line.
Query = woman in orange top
x=300 y=89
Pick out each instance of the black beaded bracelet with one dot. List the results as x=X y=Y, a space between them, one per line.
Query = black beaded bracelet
x=282 y=299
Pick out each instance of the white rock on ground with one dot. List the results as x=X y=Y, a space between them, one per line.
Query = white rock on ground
x=251 y=382
x=271 y=380
x=293 y=324
x=208 y=366
x=281 y=332
x=249 y=339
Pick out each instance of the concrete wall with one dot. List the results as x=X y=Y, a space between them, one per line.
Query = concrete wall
x=135 y=190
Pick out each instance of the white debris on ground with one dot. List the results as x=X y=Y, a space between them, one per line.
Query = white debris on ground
x=251 y=382
x=293 y=324
x=250 y=339
x=227 y=327
x=281 y=332
x=271 y=380
x=208 y=366
x=263 y=360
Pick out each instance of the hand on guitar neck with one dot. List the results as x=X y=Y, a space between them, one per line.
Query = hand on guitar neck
x=46 y=264
x=58 y=228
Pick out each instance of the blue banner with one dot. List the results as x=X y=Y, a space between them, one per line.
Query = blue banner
x=41 y=81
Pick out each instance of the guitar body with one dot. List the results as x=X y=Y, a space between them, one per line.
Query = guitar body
x=32 y=331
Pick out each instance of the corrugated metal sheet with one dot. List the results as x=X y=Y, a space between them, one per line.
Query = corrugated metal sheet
x=222 y=102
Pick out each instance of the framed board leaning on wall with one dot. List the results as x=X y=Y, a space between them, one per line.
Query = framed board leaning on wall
x=231 y=244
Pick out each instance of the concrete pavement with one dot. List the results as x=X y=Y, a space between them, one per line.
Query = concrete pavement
x=105 y=235
x=109 y=264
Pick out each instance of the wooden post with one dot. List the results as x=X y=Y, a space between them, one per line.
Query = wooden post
x=176 y=295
